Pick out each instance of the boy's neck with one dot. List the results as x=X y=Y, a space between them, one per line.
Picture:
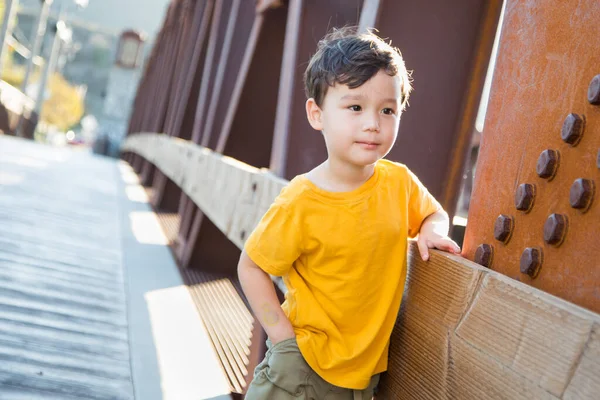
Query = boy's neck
x=340 y=177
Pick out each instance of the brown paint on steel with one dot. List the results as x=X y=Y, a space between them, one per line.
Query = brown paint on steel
x=240 y=81
x=166 y=194
x=286 y=88
x=214 y=30
x=546 y=78
x=185 y=53
x=187 y=209
x=190 y=89
x=217 y=31
x=239 y=24
x=260 y=74
x=449 y=71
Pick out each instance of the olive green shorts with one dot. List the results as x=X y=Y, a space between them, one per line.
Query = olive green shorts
x=284 y=374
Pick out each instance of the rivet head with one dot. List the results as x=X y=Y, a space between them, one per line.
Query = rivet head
x=243 y=235
x=582 y=193
x=572 y=129
x=594 y=91
x=503 y=228
x=531 y=261
x=555 y=229
x=547 y=164
x=484 y=255
x=254 y=186
x=524 y=197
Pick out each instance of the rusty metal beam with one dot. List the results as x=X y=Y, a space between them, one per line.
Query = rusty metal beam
x=543 y=76
x=217 y=29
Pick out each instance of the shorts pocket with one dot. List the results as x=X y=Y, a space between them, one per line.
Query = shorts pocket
x=287 y=369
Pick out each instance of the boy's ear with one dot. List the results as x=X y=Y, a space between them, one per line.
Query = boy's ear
x=313 y=113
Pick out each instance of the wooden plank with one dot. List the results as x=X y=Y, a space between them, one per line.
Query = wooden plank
x=466 y=332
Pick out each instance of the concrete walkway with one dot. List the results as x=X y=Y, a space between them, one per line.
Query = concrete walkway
x=91 y=303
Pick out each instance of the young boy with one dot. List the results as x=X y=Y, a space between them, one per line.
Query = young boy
x=338 y=234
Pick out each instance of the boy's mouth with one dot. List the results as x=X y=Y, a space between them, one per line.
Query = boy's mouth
x=368 y=145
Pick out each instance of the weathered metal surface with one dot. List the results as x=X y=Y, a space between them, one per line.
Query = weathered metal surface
x=543 y=99
x=449 y=72
x=63 y=320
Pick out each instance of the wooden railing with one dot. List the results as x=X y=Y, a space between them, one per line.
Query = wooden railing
x=463 y=332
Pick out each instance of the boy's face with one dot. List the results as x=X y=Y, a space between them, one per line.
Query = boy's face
x=359 y=125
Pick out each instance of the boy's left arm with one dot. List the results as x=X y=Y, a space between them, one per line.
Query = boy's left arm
x=434 y=235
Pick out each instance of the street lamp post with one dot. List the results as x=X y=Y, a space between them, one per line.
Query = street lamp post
x=38 y=33
x=10 y=7
x=62 y=35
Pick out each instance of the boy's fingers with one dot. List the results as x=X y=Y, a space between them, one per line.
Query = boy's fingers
x=447 y=245
x=423 y=249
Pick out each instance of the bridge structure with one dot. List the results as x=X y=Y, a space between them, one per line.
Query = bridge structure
x=133 y=262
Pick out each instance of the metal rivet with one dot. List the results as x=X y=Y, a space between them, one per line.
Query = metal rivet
x=524 y=197
x=531 y=261
x=594 y=91
x=254 y=186
x=484 y=255
x=582 y=193
x=503 y=228
x=547 y=164
x=242 y=235
x=555 y=229
x=572 y=129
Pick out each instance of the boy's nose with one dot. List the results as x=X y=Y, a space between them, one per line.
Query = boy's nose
x=371 y=124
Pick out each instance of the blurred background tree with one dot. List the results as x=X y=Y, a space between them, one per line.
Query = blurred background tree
x=64 y=104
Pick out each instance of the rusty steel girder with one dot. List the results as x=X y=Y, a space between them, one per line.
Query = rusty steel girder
x=534 y=213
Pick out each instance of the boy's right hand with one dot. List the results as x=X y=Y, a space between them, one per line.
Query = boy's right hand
x=287 y=332
x=261 y=295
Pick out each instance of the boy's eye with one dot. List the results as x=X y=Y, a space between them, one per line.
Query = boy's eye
x=355 y=108
x=388 y=111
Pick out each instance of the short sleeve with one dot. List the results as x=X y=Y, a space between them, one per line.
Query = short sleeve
x=421 y=204
x=276 y=242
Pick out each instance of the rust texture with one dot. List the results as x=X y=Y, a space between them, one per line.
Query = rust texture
x=553 y=87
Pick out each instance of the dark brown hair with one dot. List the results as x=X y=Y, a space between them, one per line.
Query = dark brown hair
x=350 y=58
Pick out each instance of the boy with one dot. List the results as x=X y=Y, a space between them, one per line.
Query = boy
x=338 y=234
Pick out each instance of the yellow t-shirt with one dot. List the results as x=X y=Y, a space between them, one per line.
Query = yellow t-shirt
x=343 y=259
